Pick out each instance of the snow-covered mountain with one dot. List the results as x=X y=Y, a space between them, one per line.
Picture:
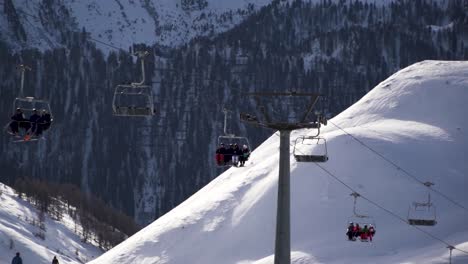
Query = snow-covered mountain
x=121 y=22
x=20 y=232
x=416 y=118
x=140 y=166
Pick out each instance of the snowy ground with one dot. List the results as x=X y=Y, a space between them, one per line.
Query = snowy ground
x=17 y=235
x=416 y=118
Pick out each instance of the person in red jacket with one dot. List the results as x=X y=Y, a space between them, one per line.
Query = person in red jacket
x=220 y=154
x=365 y=233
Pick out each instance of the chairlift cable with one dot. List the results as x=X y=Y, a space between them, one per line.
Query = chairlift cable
x=383 y=208
x=388 y=211
x=402 y=169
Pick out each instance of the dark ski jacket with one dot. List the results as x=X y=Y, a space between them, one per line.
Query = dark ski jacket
x=18 y=117
x=230 y=151
x=221 y=150
x=237 y=151
x=17 y=260
x=44 y=121
x=55 y=261
x=34 y=117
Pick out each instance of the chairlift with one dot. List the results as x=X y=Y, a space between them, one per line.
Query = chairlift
x=135 y=99
x=228 y=141
x=242 y=59
x=24 y=130
x=239 y=63
x=423 y=213
x=361 y=219
x=310 y=149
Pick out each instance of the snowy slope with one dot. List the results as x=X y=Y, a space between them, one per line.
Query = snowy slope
x=417 y=118
x=17 y=235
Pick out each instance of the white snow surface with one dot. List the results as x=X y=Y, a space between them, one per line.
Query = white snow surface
x=17 y=233
x=416 y=118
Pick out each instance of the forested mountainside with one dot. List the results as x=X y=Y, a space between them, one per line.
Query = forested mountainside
x=146 y=166
x=40 y=24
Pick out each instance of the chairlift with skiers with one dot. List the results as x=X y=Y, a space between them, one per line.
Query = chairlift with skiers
x=32 y=116
x=232 y=150
x=135 y=99
x=363 y=225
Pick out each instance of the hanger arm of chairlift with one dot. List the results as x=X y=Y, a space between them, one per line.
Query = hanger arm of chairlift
x=142 y=56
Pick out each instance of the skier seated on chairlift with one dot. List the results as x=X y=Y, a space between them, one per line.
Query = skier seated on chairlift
x=236 y=153
x=228 y=155
x=245 y=155
x=356 y=231
x=43 y=123
x=19 y=121
x=364 y=233
x=353 y=231
x=220 y=152
x=16 y=119
x=350 y=231
x=371 y=232
x=33 y=119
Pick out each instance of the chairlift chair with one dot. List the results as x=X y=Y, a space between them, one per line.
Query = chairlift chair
x=230 y=139
x=361 y=219
x=422 y=214
x=135 y=99
x=227 y=141
x=27 y=106
x=304 y=153
x=239 y=63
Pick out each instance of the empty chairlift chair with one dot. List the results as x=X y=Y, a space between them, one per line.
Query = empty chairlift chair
x=310 y=149
x=135 y=99
x=423 y=214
